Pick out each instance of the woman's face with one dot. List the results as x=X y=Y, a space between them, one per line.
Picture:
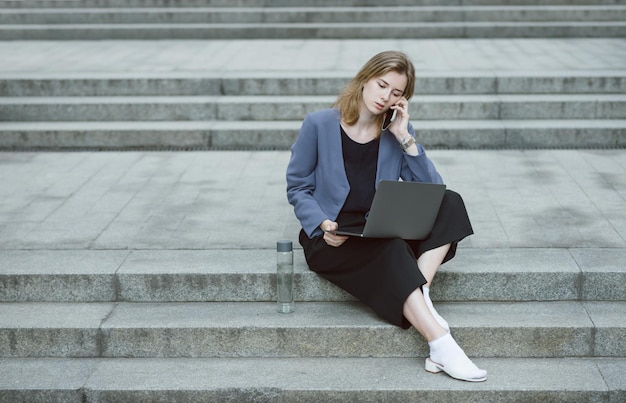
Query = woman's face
x=380 y=93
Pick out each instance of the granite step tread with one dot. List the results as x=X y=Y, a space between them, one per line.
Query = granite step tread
x=307 y=380
x=249 y=275
x=315 y=329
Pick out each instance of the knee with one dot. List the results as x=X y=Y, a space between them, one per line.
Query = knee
x=399 y=247
x=452 y=199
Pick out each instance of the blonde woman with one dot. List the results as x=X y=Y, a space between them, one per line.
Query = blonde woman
x=337 y=160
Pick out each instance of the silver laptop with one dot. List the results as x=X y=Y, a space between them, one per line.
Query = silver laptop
x=406 y=210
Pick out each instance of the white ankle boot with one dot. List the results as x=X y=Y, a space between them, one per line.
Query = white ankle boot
x=447 y=356
x=442 y=322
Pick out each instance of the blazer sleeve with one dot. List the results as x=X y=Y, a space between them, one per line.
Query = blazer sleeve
x=301 y=180
x=419 y=168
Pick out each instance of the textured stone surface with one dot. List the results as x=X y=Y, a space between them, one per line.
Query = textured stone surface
x=164 y=107
x=508 y=274
x=550 y=225
x=610 y=321
x=59 y=275
x=238 y=329
x=603 y=270
x=214 y=275
x=307 y=379
x=168 y=200
x=51 y=330
x=475 y=274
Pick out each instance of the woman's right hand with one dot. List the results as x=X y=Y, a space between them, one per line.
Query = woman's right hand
x=332 y=239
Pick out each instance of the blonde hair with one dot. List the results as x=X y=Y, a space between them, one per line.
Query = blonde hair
x=349 y=99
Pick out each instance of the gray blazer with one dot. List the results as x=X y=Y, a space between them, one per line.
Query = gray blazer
x=317 y=185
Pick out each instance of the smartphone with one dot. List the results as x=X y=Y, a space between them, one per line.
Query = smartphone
x=390 y=115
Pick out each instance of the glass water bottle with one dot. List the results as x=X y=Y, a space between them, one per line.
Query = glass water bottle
x=284 y=276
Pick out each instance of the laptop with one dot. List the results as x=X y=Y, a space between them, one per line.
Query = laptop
x=406 y=210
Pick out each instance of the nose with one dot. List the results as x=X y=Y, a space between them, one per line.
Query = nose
x=386 y=94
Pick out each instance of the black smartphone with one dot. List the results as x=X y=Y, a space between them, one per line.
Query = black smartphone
x=390 y=115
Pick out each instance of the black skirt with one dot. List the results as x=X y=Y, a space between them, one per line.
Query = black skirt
x=382 y=273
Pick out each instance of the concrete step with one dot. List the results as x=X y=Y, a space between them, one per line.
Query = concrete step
x=263 y=135
x=316 y=329
x=268 y=108
x=584 y=82
x=162 y=108
x=351 y=30
x=306 y=380
x=306 y=83
x=290 y=15
x=288 y=3
x=249 y=275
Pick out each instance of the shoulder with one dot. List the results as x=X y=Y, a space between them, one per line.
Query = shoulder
x=319 y=127
x=324 y=115
x=321 y=121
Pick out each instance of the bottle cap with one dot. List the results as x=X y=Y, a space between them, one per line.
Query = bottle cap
x=284 y=246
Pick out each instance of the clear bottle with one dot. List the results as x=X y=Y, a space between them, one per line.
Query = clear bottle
x=284 y=276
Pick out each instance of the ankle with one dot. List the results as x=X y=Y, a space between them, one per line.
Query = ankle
x=444 y=348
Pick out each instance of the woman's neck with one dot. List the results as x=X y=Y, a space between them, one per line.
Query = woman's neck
x=364 y=130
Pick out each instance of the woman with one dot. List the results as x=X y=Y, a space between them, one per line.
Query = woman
x=337 y=160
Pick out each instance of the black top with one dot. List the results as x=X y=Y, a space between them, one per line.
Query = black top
x=360 y=162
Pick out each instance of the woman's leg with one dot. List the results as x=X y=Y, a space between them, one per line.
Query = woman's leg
x=445 y=353
x=418 y=314
x=428 y=263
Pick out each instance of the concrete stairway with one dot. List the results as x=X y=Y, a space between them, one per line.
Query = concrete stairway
x=281 y=19
x=476 y=110
x=459 y=107
x=148 y=276
x=90 y=325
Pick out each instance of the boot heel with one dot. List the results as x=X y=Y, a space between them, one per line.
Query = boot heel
x=430 y=366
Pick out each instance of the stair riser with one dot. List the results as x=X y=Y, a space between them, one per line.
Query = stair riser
x=306 y=396
x=341 y=343
x=425 y=84
x=308 y=287
x=208 y=16
x=296 y=110
x=249 y=275
x=49 y=343
x=304 y=342
x=229 y=3
x=338 y=31
x=282 y=139
x=284 y=3
x=119 y=139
